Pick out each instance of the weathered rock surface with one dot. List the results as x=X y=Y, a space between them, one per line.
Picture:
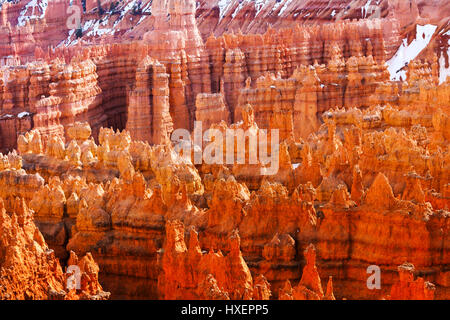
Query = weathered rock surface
x=408 y=288
x=87 y=113
x=30 y=270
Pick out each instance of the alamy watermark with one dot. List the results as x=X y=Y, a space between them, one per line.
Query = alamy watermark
x=234 y=146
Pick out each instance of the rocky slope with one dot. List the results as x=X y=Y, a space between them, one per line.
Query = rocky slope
x=30 y=270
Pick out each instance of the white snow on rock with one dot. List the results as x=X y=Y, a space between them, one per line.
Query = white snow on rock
x=443 y=71
x=67 y=41
x=365 y=9
x=23 y=114
x=406 y=53
x=223 y=7
x=259 y=5
x=127 y=8
x=147 y=9
x=88 y=24
x=240 y=6
x=226 y=5
x=100 y=27
x=35 y=9
x=283 y=9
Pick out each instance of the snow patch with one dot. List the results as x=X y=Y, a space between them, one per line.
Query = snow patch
x=223 y=8
x=123 y=12
x=127 y=8
x=100 y=27
x=96 y=31
x=259 y=5
x=239 y=7
x=365 y=9
x=87 y=25
x=283 y=9
x=67 y=41
x=406 y=53
x=147 y=9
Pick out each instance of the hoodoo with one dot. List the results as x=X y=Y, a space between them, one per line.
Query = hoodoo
x=224 y=149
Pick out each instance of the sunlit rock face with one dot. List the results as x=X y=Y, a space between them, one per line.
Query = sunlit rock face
x=92 y=97
x=27 y=262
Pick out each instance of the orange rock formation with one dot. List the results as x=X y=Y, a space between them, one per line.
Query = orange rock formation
x=30 y=270
x=89 y=167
